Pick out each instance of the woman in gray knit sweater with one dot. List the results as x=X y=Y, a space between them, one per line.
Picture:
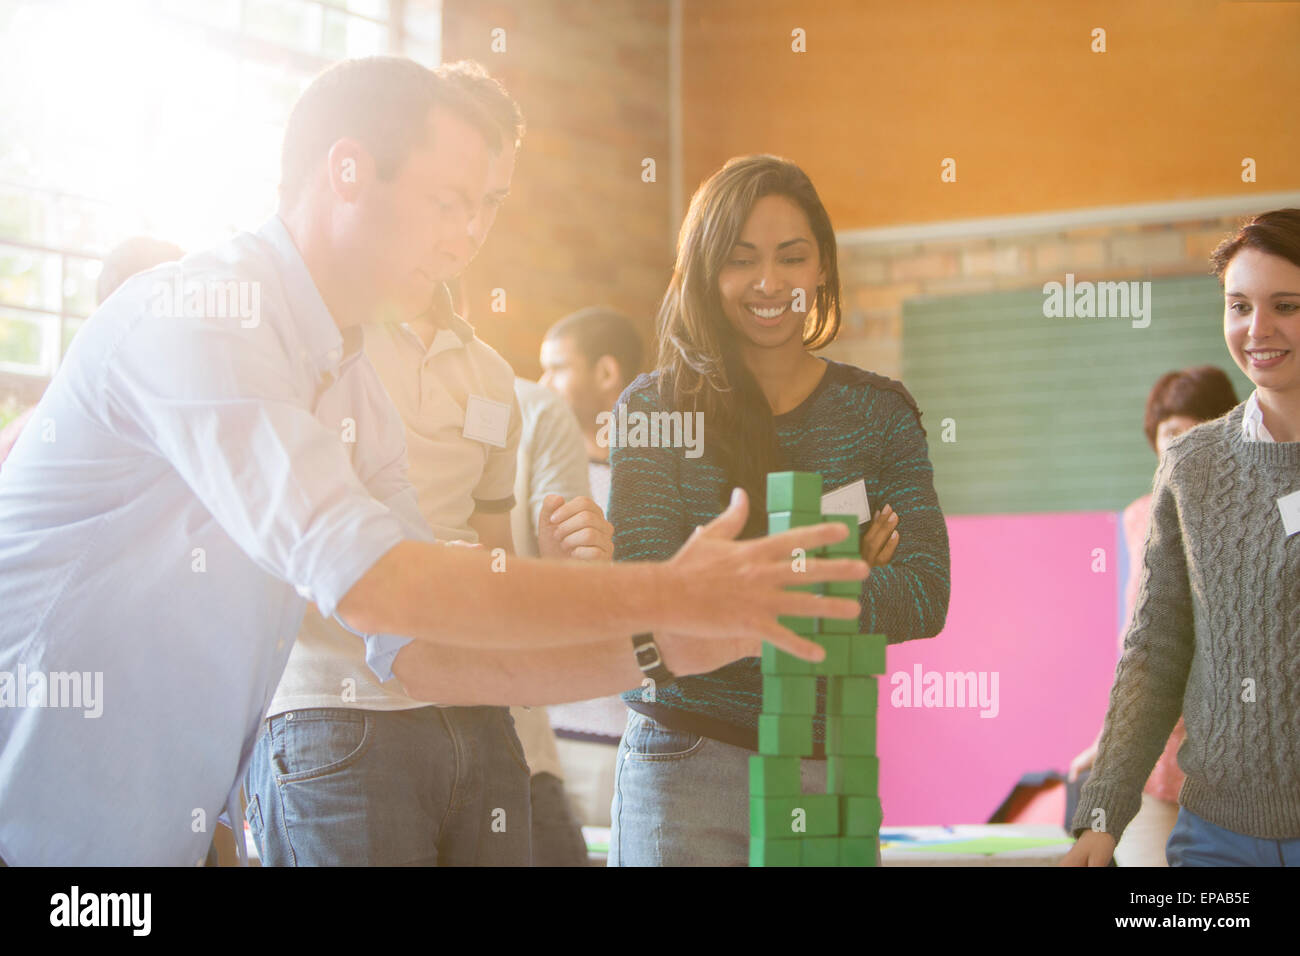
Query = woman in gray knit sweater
x=1216 y=631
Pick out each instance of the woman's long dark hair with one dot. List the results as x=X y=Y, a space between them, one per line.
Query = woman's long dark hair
x=700 y=363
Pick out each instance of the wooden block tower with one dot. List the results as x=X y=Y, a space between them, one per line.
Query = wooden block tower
x=842 y=826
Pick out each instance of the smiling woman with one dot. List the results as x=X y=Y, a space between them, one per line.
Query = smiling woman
x=755 y=290
x=1260 y=271
x=1210 y=631
x=758 y=248
x=773 y=266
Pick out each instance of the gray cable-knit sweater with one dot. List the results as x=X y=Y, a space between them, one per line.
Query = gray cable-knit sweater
x=1215 y=636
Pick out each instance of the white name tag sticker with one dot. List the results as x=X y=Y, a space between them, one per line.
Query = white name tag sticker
x=1289 y=505
x=851 y=499
x=486 y=420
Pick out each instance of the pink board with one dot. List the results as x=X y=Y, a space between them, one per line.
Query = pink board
x=1027 y=605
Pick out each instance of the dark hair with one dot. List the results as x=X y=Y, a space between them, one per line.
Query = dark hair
x=1276 y=232
x=1204 y=392
x=597 y=332
x=129 y=257
x=383 y=102
x=475 y=82
x=701 y=368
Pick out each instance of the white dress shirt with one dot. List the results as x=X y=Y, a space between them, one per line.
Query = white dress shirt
x=186 y=481
x=1252 y=420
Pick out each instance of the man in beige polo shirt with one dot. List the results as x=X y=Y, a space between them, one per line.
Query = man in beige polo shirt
x=352 y=771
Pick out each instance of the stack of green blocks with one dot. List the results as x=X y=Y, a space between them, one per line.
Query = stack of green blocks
x=842 y=826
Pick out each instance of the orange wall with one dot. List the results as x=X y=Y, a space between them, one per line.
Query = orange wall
x=1010 y=89
x=580 y=228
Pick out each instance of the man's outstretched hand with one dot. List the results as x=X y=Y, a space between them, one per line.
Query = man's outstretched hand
x=721 y=597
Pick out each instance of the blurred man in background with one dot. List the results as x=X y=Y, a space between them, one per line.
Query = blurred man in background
x=552 y=460
x=588 y=358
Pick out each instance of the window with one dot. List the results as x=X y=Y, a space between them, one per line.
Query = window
x=151 y=117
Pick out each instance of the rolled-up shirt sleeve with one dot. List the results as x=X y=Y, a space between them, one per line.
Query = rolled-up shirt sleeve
x=381 y=649
x=231 y=413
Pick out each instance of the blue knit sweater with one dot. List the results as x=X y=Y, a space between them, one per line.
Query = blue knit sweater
x=855 y=425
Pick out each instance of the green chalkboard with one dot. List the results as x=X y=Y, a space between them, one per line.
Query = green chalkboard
x=1048 y=410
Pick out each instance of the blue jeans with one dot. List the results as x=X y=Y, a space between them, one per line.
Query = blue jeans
x=1197 y=842
x=557 y=837
x=433 y=786
x=683 y=800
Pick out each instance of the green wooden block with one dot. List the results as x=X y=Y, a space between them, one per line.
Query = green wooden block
x=797 y=817
x=851 y=776
x=770 y=818
x=784 y=735
x=860 y=816
x=867 y=654
x=843 y=588
x=837 y=625
x=789 y=695
x=851 y=736
x=778 y=521
x=803 y=626
x=859 y=851
x=777 y=661
x=852 y=696
x=819 y=851
x=848 y=548
x=794 y=491
x=775 y=777
x=822 y=814
x=838 y=658
x=813 y=587
x=773 y=852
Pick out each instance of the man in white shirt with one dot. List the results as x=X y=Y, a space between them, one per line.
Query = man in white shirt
x=215 y=451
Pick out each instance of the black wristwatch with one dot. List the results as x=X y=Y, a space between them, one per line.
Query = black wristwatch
x=650 y=660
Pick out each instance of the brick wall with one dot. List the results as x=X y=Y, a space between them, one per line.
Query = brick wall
x=581 y=227
x=878 y=277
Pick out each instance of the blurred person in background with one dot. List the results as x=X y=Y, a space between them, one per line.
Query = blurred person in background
x=588 y=358
x=552 y=461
